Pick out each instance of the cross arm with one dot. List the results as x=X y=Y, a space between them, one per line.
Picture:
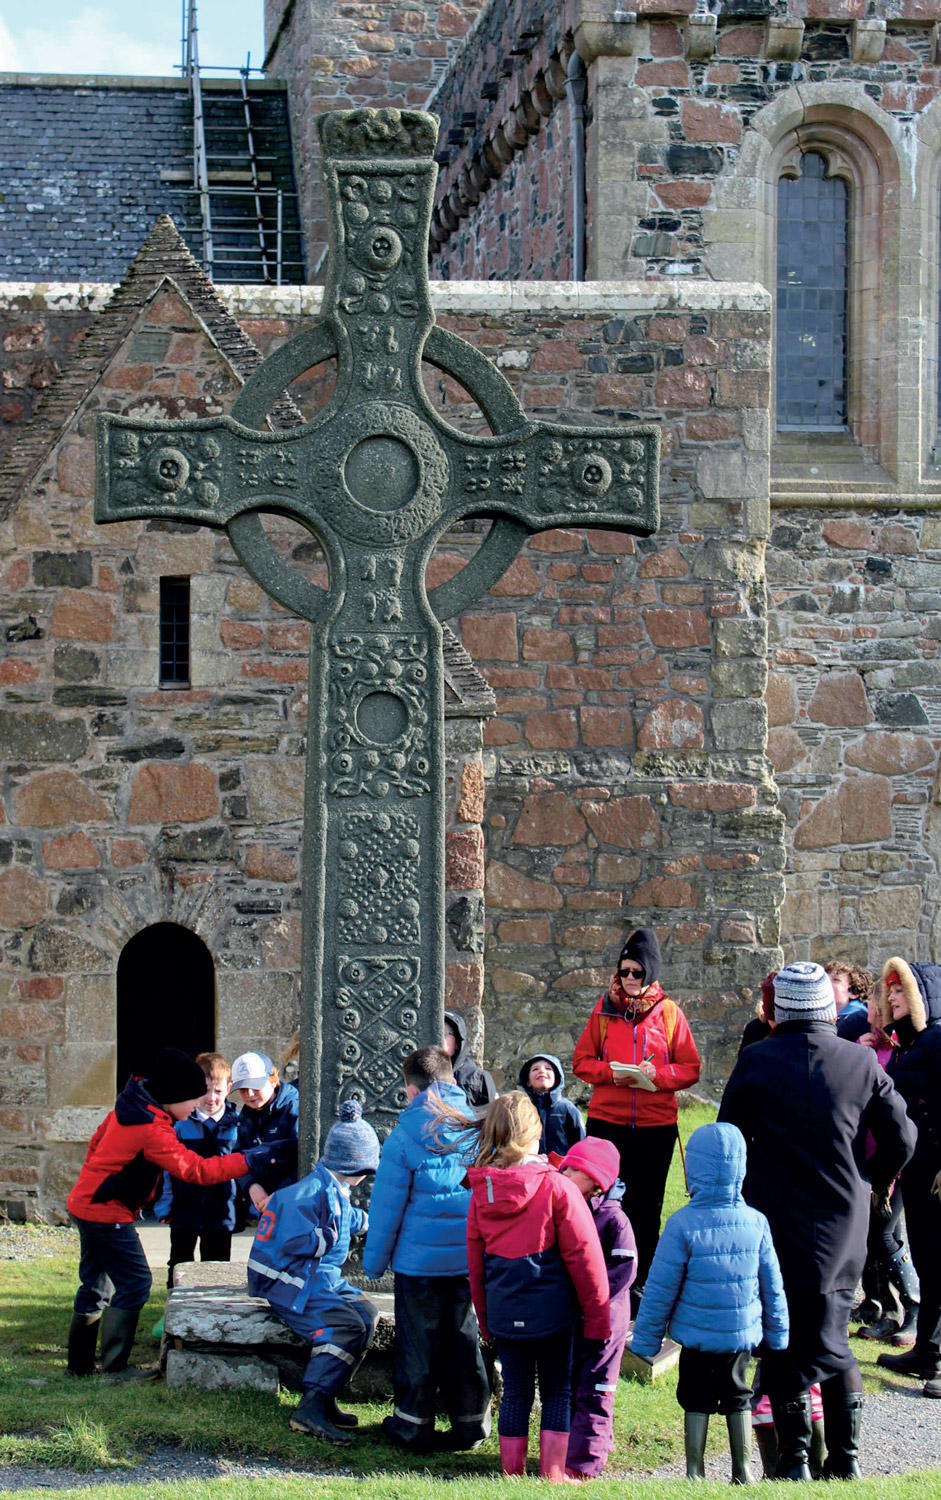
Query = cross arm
x=209 y=470
x=549 y=474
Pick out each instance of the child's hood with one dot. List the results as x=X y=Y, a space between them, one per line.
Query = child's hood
x=453 y=1019
x=506 y=1192
x=553 y=1062
x=715 y=1162
x=134 y=1106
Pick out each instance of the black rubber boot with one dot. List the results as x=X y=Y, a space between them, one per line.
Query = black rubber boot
x=904 y=1278
x=695 y=1427
x=792 y=1422
x=767 y=1441
x=337 y=1417
x=739 y=1425
x=311 y=1416
x=918 y=1362
x=83 y=1342
x=118 y=1327
x=842 y=1420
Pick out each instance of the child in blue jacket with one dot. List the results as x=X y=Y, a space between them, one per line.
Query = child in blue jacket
x=196 y=1214
x=543 y=1080
x=418 y=1224
x=716 y=1283
x=296 y=1264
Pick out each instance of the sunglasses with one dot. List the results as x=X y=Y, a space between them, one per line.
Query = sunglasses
x=629 y=973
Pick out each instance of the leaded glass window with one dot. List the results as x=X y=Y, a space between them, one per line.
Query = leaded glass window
x=174 y=631
x=813 y=239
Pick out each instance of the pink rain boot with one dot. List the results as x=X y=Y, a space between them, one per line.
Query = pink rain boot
x=553 y=1448
x=513 y=1455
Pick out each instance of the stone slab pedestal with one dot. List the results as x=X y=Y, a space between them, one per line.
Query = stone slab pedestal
x=636 y=1367
x=218 y=1337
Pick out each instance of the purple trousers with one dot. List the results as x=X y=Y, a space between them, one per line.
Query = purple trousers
x=595 y=1371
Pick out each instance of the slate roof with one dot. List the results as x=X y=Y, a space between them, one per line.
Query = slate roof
x=80 y=171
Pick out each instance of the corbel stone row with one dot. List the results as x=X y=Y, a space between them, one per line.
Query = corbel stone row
x=524 y=119
x=594 y=30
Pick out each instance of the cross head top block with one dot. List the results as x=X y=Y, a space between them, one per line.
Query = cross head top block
x=377 y=478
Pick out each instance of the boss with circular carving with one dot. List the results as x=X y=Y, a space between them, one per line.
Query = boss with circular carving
x=392 y=470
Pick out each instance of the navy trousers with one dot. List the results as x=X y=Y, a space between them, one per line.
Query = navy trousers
x=112 y=1270
x=339 y=1324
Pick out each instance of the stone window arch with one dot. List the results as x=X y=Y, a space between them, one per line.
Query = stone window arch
x=871 y=336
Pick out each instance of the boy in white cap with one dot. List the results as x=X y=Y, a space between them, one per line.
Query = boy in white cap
x=269 y=1113
x=296 y=1263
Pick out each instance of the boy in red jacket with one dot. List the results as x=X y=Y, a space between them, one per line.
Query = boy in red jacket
x=127 y=1156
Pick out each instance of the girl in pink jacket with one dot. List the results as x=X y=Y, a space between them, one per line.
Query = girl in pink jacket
x=536 y=1270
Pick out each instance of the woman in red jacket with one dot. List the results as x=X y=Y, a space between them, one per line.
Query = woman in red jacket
x=126 y=1159
x=637 y=1051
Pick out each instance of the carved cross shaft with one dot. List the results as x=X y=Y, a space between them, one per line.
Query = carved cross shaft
x=377 y=478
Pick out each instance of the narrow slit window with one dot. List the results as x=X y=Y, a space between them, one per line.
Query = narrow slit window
x=174 y=632
x=813 y=262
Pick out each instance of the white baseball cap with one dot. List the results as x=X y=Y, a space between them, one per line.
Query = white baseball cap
x=251 y=1070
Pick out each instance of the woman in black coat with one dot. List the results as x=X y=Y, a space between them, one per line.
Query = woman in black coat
x=910 y=1006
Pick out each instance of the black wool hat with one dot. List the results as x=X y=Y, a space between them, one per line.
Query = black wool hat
x=173 y=1077
x=642 y=948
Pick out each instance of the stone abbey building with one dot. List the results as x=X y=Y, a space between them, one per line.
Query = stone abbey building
x=725 y=221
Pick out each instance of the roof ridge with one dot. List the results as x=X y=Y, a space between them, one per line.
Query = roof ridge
x=162 y=257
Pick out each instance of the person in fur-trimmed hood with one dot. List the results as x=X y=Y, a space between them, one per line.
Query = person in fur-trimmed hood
x=909 y=999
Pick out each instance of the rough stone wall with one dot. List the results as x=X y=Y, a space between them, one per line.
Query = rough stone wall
x=40 y=333
x=854 y=713
x=359 y=54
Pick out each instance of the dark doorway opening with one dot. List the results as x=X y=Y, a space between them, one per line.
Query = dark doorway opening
x=166 y=996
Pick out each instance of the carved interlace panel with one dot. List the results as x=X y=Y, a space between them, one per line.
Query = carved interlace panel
x=378 y=1000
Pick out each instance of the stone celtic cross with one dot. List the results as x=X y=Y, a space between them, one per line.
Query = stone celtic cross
x=377 y=478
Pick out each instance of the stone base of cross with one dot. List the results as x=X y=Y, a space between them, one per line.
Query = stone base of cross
x=377 y=478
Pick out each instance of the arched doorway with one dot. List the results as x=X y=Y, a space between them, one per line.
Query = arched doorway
x=166 y=996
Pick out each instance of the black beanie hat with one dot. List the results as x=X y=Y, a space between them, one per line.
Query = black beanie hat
x=173 y=1077
x=642 y=948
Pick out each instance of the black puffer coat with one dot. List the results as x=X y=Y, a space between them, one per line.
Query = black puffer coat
x=804 y=1099
x=476 y=1082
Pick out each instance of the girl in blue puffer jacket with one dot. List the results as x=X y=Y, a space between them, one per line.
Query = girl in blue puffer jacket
x=715 y=1281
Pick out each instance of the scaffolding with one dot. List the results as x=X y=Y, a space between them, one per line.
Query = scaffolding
x=241 y=231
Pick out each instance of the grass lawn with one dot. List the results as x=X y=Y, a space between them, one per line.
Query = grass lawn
x=50 y=1421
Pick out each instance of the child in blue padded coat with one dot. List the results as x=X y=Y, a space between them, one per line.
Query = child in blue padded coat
x=296 y=1264
x=543 y=1079
x=418 y=1224
x=716 y=1283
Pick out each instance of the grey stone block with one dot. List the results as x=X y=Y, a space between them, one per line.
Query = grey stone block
x=220 y=1372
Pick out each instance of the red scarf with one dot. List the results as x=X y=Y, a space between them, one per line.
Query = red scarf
x=634 y=1006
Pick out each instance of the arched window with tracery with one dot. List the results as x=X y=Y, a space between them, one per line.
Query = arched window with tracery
x=813 y=224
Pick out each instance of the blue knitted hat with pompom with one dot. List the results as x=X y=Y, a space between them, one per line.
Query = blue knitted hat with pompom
x=352 y=1147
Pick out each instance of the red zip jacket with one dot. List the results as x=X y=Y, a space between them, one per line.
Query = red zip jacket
x=531 y=1241
x=628 y=1041
x=128 y=1154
